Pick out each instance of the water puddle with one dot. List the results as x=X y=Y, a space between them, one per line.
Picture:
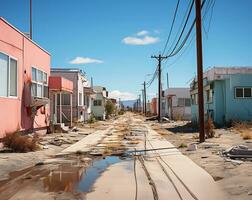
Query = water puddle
x=73 y=178
x=77 y=177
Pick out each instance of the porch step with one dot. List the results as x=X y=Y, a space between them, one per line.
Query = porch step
x=64 y=128
x=61 y=128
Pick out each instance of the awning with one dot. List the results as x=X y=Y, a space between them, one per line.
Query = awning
x=58 y=83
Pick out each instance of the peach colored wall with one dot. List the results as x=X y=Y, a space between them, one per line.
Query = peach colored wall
x=154 y=106
x=13 y=111
x=61 y=84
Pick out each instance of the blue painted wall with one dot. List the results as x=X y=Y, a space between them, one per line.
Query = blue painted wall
x=225 y=106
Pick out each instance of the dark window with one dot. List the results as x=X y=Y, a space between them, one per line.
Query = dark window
x=239 y=92
x=181 y=102
x=187 y=102
x=247 y=92
x=46 y=91
x=97 y=102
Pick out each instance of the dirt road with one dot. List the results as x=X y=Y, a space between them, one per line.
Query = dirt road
x=126 y=160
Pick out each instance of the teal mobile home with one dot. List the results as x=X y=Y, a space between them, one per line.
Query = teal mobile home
x=227 y=94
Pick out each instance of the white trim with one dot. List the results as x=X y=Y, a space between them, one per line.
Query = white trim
x=13 y=58
x=243 y=93
x=8 y=78
x=40 y=83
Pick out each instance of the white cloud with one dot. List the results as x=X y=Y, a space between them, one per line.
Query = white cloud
x=116 y=94
x=82 y=60
x=143 y=32
x=140 y=41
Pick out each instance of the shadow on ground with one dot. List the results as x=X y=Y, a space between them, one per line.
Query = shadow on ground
x=186 y=128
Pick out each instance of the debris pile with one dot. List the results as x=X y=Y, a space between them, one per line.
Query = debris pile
x=240 y=151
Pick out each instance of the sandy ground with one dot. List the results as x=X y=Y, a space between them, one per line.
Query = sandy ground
x=11 y=162
x=234 y=178
x=126 y=133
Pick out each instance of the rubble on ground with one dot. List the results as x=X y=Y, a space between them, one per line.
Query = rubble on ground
x=239 y=151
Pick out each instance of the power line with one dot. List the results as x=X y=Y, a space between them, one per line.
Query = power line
x=183 y=29
x=208 y=5
x=181 y=25
x=186 y=37
x=173 y=21
x=153 y=78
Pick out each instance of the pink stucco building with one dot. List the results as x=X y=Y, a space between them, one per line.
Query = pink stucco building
x=24 y=72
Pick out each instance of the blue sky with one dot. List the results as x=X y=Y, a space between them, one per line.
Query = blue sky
x=95 y=31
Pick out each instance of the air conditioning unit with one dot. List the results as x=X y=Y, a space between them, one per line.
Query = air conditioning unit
x=219 y=77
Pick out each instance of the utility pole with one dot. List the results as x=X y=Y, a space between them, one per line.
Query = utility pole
x=159 y=58
x=167 y=79
x=145 y=105
x=31 y=19
x=200 y=70
x=139 y=99
x=143 y=101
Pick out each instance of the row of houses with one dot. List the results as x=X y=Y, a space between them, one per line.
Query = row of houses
x=33 y=95
x=227 y=97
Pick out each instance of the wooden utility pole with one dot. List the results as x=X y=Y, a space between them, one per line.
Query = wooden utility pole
x=145 y=103
x=159 y=58
x=31 y=19
x=200 y=70
x=142 y=101
x=139 y=99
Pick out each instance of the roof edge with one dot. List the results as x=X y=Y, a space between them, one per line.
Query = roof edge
x=20 y=32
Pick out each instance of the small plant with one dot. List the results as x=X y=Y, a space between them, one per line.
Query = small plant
x=92 y=119
x=246 y=135
x=209 y=128
x=121 y=112
x=182 y=145
x=110 y=108
x=20 y=143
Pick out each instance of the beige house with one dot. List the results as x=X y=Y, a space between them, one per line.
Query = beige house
x=99 y=101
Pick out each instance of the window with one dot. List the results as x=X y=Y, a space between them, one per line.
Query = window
x=80 y=99
x=187 y=102
x=8 y=76
x=65 y=99
x=86 y=100
x=209 y=96
x=194 y=98
x=184 y=102
x=13 y=77
x=245 y=92
x=181 y=102
x=97 y=102
x=39 y=87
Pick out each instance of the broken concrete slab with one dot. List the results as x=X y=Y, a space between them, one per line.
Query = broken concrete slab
x=86 y=143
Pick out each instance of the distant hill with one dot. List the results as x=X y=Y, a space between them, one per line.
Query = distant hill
x=128 y=103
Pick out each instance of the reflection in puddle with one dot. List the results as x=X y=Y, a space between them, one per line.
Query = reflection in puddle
x=70 y=178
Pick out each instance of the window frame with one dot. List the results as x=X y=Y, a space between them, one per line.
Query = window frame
x=43 y=84
x=80 y=101
x=8 y=78
x=243 y=92
x=97 y=100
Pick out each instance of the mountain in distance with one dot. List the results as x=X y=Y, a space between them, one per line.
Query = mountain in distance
x=128 y=103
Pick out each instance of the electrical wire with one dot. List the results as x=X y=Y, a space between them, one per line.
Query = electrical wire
x=173 y=53
x=183 y=29
x=180 y=27
x=173 y=21
x=209 y=5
